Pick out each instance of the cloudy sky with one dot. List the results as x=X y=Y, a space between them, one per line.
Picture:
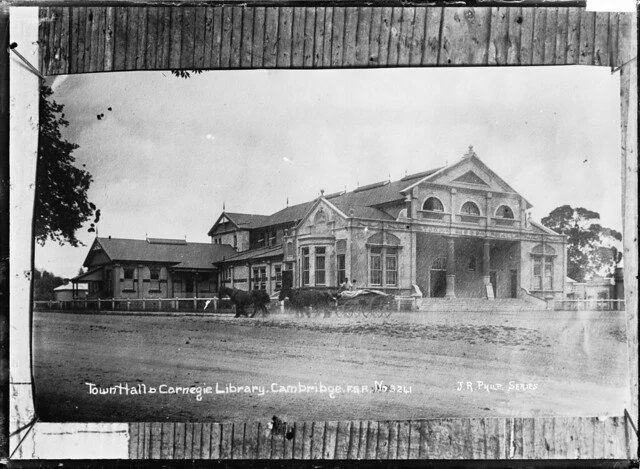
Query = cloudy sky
x=171 y=151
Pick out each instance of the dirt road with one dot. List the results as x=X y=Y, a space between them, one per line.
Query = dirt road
x=530 y=364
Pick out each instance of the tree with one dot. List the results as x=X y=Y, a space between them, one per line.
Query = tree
x=44 y=283
x=592 y=247
x=61 y=204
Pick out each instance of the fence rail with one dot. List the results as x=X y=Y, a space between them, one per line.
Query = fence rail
x=588 y=305
x=213 y=304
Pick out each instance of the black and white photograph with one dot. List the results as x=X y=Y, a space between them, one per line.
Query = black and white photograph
x=399 y=255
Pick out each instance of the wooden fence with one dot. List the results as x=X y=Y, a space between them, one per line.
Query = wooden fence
x=467 y=438
x=102 y=38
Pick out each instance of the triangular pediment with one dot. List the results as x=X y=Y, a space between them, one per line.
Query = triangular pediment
x=319 y=215
x=470 y=172
x=471 y=178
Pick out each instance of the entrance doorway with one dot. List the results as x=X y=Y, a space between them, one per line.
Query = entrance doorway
x=438 y=282
x=513 y=279
x=493 y=278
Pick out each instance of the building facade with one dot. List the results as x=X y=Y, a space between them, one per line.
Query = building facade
x=152 y=268
x=456 y=231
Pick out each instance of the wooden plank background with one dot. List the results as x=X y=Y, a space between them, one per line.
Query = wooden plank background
x=102 y=38
x=475 y=438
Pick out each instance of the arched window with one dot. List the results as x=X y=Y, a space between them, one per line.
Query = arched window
x=439 y=264
x=433 y=204
x=470 y=208
x=504 y=211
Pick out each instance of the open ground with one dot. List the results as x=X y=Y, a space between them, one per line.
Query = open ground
x=564 y=363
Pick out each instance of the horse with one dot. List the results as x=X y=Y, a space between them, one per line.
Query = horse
x=240 y=298
x=300 y=298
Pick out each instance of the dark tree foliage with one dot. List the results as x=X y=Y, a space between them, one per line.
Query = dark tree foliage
x=44 y=282
x=180 y=73
x=587 y=240
x=61 y=205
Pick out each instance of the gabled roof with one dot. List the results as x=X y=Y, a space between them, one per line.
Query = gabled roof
x=180 y=256
x=258 y=253
x=245 y=221
x=469 y=156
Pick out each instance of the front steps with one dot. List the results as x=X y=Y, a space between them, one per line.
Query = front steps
x=476 y=305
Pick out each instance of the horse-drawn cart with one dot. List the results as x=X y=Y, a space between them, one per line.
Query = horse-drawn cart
x=369 y=303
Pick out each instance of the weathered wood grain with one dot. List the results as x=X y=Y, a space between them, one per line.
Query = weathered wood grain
x=550 y=36
x=384 y=37
x=317 y=440
x=405 y=38
x=587 y=39
x=418 y=36
x=470 y=438
x=307 y=436
x=297 y=51
x=393 y=440
x=368 y=448
x=143 y=37
x=258 y=37
x=133 y=29
x=539 y=28
x=462 y=28
x=499 y=37
x=363 y=36
x=236 y=36
x=270 y=50
x=354 y=439
x=562 y=33
x=88 y=39
x=207 y=40
x=573 y=36
x=226 y=441
x=288 y=441
x=434 y=23
x=309 y=35
x=526 y=36
x=324 y=29
x=199 y=41
x=225 y=46
x=415 y=429
x=237 y=440
x=350 y=36
x=175 y=38
x=374 y=36
x=337 y=36
x=383 y=440
x=284 y=37
x=394 y=36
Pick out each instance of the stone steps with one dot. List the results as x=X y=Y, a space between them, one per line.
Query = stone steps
x=476 y=304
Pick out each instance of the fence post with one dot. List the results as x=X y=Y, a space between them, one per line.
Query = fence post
x=195 y=304
x=144 y=304
x=128 y=305
x=215 y=305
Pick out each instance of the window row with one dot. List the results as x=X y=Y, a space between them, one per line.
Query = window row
x=383 y=267
x=433 y=204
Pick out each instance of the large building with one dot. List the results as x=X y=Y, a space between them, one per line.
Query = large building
x=455 y=231
x=152 y=268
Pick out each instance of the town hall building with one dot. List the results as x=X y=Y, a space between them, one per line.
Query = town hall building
x=459 y=231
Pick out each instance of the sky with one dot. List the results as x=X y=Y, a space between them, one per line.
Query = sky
x=171 y=151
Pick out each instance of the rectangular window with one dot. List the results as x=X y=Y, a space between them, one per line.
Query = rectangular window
x=548 y=273
x=259 y=278
x=537 y=273
x=272 y=238
x=375 y=267
x=129 y=283
x=342 y=268
x=154 y=277
x=278 y=274
x=177 y=285
x=321 y=277
x=305 y=266
x=391 y=260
